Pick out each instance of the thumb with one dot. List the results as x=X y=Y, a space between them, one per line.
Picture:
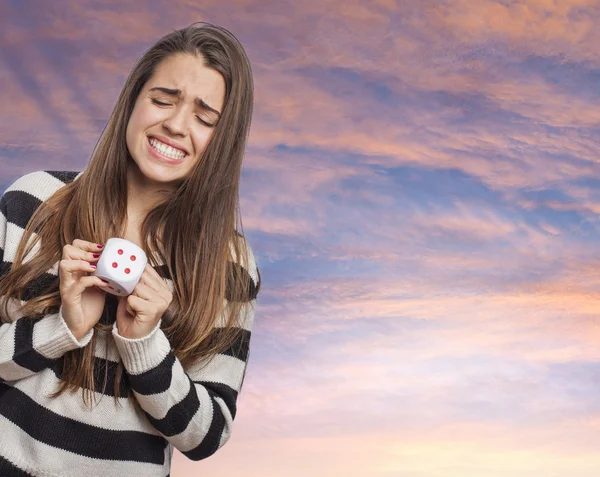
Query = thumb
x=124 y=306
x=130 y=310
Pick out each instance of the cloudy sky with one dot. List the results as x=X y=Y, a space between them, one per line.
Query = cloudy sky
x=421 y=189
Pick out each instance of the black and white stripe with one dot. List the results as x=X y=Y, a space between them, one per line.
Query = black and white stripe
x=191 y=410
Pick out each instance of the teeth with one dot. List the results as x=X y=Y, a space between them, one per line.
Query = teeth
x=165 y=150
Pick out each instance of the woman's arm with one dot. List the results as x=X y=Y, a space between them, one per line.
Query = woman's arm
x=28 y=346
x=194 y=408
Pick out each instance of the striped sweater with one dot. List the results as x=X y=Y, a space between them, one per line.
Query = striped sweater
x=189 y=409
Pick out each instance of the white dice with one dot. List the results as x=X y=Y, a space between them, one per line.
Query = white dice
x=121 y=265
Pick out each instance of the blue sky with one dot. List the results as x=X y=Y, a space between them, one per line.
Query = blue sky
x=421 y=191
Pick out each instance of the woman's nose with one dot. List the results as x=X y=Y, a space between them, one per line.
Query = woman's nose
x=177 y=122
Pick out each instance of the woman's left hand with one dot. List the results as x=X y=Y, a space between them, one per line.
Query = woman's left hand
x=138 y=313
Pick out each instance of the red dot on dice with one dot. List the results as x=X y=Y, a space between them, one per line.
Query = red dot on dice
x=115 y=264
x=127 y=270
x=120 y=252
x=132 y=258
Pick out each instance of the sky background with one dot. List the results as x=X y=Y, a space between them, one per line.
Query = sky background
x=421 y=189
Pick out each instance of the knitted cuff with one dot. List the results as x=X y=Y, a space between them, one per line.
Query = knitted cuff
x=142 y=354
x=52 y=337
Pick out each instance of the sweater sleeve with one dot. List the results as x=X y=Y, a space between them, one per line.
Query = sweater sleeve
x=193 y=408
x=27 y=346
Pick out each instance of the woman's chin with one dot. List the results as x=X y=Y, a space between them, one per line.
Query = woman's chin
x=150 y=171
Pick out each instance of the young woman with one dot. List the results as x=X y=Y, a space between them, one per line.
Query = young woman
x=93 y=384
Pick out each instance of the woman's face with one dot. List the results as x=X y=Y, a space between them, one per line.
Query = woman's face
x=172 y=119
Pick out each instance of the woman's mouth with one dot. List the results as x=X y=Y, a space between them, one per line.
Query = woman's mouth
x=165 y=152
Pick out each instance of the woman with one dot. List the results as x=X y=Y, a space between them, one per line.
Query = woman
x=169 y=359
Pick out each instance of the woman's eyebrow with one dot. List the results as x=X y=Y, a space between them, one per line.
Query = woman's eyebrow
x=177 y=92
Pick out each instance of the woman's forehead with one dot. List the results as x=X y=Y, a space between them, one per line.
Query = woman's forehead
x=188 y=75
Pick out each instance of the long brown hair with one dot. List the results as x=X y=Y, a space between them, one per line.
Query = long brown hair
x=193 y=232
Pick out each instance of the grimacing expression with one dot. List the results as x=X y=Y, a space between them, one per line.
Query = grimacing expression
x=174 y=118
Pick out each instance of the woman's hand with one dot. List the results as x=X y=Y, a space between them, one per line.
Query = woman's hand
x=81 y=303
x=138 y=313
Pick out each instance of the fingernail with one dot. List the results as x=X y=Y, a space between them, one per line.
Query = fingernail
x=93 y=265
x=100 y=246
x=96 y=255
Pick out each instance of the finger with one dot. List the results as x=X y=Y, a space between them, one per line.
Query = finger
x=72 y=266
x=123 y=306
x=144 y=291
x=86 y=282
x=130 y=310
x=68 y=271
x=148 y=279
x=152 y=291
x=149 y=296
x=150 y=273
x=136 y=304
x=151 y=278
x=86 y=246
x=72 y=252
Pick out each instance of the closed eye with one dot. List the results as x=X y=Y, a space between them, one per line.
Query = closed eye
x=205 y=123
x=160 y=103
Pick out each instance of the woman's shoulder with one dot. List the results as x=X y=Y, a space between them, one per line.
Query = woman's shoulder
x=247 y=260
x=244 y=246
x=42 y=184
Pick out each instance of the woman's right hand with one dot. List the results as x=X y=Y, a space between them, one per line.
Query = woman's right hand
x=82 y=304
